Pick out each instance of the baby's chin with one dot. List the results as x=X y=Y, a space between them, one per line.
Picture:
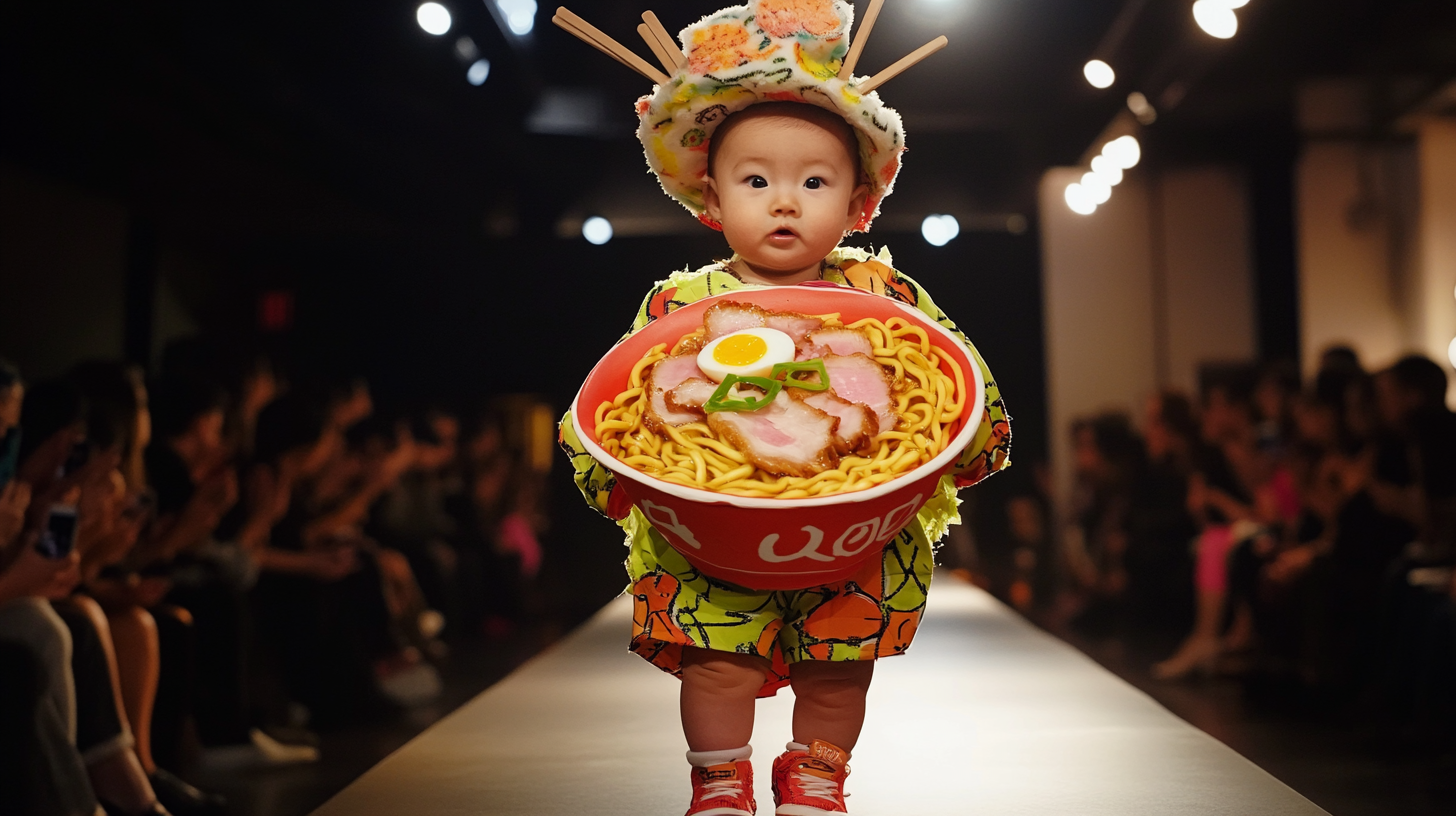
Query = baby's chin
x=783 y=260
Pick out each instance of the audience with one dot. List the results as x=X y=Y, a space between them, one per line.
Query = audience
x=1305 y=535
x=213 y=559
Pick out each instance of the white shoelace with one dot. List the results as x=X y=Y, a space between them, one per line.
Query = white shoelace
x=714 y=788
x=819 y=787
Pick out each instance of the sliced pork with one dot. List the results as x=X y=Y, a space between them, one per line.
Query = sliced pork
x=840 y=340
x=728 y=317
x=788 y=437
x=666 y=375
x=691 y=396
x=858 y=378
x=857 y=423
x=796 y=326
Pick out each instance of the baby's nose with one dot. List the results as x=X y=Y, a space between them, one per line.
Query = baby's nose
x=785 y=204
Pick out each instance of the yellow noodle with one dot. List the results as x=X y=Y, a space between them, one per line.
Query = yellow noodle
x=927 y=397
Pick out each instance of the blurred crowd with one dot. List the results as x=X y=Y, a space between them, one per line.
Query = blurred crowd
x=1299 y=533
x=216 y=558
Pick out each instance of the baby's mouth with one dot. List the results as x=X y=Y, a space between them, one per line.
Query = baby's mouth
x=784 y=232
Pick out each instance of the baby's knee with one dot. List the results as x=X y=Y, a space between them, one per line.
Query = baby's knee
x=823 y=677
x=727 y=672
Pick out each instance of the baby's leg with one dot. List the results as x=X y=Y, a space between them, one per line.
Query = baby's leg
x=829 y=700
x=718 y=694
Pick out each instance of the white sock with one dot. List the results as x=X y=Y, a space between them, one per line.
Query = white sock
x=797 y=746
x=704 y=759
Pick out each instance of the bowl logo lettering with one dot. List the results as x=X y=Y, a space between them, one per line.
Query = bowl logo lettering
x=811 y=550
x=665 y=520
x=865 y=533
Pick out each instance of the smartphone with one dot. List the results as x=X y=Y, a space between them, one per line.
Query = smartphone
x=59 y=536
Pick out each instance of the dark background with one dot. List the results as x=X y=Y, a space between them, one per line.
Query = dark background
x=420 y=229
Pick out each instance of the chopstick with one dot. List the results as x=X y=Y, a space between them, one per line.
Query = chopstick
x=862 y=36
x=902 y=64
x=651 y=39
x=669 y=45
x=591 y=35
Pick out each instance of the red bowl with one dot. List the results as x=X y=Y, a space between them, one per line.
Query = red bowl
x=767 y=543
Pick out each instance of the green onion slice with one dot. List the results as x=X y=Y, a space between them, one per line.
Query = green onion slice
x=720 y=400
x=790 y=370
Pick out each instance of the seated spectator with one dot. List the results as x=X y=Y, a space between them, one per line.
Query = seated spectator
x=1109 y=458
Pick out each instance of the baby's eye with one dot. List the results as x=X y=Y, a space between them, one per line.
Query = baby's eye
x=814 y=183
x=757 y=181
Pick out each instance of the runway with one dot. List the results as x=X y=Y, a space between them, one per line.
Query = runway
x=985 y=715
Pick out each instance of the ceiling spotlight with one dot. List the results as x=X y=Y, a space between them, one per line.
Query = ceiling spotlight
x=466 y=50
x=433 y=18
x=1099 y=73
x=1106 y=170
x=477 y=72
x=1141 y=108
x=1079 y=200
x=939 y=230
x=1124 y=151
x=520 y=15
x=1096 y=187
x=596 y=230
x=1216 y=18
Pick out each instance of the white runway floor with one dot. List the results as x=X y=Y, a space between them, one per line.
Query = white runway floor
x=985 y=715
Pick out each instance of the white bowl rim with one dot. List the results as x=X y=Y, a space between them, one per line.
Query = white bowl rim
x=962 y=440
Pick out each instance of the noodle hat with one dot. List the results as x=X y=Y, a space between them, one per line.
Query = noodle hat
x=765 y=51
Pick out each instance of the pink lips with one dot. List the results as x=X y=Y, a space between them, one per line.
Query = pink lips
x=782 y=237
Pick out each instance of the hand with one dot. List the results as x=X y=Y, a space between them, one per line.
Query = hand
x=332 y=564
x=1290 y=564
x=406 y=452
x=14 y=499
x=149 y=591
x=215 y=496
x=269 y=495
x=34 y=575
x=132 y=591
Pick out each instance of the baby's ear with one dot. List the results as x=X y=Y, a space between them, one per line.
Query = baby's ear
x=857 y=204
x=711 y=204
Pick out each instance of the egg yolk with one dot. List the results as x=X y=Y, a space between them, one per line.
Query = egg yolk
x=740 y=350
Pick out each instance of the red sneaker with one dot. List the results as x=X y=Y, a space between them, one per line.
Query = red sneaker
x=810 y=783
x=723 y=790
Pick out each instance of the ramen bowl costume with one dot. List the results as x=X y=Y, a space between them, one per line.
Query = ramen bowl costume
x=776 y=51
x=782 y=51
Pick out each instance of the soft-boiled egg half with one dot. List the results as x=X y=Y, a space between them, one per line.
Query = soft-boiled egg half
x=747 y=353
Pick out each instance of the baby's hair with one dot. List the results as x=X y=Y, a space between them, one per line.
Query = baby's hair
x=803 y=115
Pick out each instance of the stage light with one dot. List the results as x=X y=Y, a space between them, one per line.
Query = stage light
x=1097 y=188
x=596 y=230
x=1079 y=200
x=1106 y=170
x=1125 y=152
x=940 y=230
x=433 y=18
x=1216 y=17
x=520 y=15
x=1141 y=108
x=478 y=71
x=1099 y=73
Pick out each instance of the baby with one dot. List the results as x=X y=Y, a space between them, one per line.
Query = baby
x=785 y=178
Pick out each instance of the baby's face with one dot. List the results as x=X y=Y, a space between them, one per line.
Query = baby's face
x=785 y=191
